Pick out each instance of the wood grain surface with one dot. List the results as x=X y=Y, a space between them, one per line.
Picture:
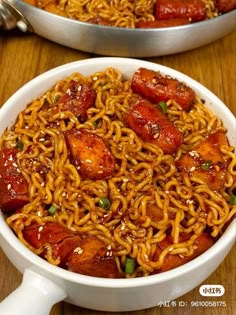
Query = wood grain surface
x=24 y=56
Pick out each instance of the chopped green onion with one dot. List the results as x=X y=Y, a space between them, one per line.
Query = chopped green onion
x=20 y=145
x=95 y=123
x=129 y=265
x=104 y=203
x=52 y=209
x=163 y=106
x=206 y=165
x=55 y=98
x=233 y=200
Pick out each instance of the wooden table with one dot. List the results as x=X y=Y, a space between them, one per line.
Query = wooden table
x=22 y=57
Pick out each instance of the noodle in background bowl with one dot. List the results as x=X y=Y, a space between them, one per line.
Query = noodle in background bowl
x=117 y=41
x=43 y=284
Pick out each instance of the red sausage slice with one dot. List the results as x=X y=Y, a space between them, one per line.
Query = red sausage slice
x=78 y=98
x=153 y=126
x=89 y=154
x=201 y=244
x=14 y=190
x=206 y=161
x=157 y=87
x=169 y=9
x=94 y=258
x=225 y=6
x=62 y=240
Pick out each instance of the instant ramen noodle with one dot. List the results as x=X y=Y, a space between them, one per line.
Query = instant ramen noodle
x=117 y=178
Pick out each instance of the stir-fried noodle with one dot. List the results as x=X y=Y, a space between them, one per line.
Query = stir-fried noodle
x=144 y=178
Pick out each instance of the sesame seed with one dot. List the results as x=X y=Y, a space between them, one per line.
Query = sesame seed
x=189 y=202
x=217 y=168
x=9 y=186
x=122 y=227
x=193 y=153
x=192 y=168
x=78 y=250
x=156 y=135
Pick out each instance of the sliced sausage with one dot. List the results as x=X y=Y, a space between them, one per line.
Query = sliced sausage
x=225 y=6
x=89 y=153
x=62 y=240
x=152 y=125
x=156 y=87
x=169 y=9
x=201 y=244
x=206 y=161
x=14 y=189
x=78 y=98
x=94 y=258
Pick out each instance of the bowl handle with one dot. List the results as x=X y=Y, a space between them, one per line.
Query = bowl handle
x=35 y=296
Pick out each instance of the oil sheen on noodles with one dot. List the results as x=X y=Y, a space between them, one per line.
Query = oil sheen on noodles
x=119 y=13
x=144 y=180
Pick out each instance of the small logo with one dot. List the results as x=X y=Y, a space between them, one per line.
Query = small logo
x=212 y=290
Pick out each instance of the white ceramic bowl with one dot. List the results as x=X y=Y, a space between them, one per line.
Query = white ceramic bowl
x=44 y=284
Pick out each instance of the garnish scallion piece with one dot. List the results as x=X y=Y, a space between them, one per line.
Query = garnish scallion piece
x=129 y=265
x=163 y=107
x=233 y=200
x=20 y=145
x=104 y=203
x=206 y=165
x=52 y=210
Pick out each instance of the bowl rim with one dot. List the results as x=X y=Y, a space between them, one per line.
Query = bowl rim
x=228 y=237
